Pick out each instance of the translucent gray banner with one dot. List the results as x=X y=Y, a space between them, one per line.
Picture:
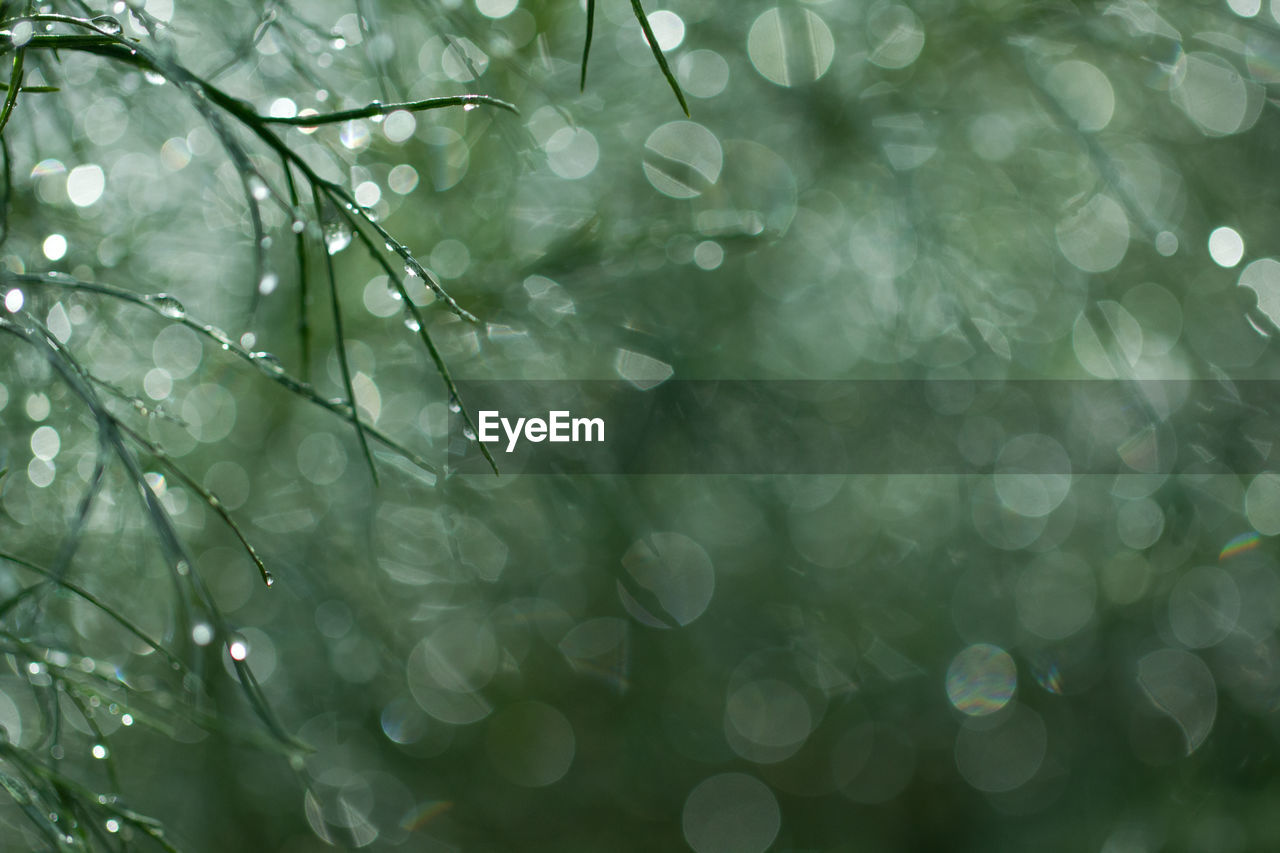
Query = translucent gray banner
x=869 y=427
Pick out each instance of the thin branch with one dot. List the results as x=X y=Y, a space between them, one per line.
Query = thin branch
x=376 y=108
x=15 y=78
x=418 y=324
x=343 y=363
x=80 y=592
x=586 y=43
x=167 y=307
x=657 y=53
x=304 y=277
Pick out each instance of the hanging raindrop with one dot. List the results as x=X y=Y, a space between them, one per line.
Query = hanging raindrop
x=336 y=237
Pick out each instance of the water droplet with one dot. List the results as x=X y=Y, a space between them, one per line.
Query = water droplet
x=298 y=225
x=155 y=78
x=270 y=579
x=268 y=283
x=22 y=33
x=411 y=324
x=13 y=300
x=469 y=432
x=113 y=825
x=220 y=336
x=258 y=188
x=238 y=649
x=100 y=751
x=469 y=107
x=981 y=680
x=166 y=305
x=108 y=25
x=267 y=363
x=336 y=237
x=183 y=568
x=455 y=405
x=410 y=270
x=202 y=633
x=126 y=720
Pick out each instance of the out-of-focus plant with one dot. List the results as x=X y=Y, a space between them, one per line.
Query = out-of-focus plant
x=48 y=777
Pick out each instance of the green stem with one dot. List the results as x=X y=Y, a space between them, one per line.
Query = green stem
x=379 y=109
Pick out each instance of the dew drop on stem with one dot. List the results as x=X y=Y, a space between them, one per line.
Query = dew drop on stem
x=166 y=305
x=108 y=25
x=267 y=362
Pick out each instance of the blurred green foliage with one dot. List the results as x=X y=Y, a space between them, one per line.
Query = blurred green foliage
x=936 y=189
